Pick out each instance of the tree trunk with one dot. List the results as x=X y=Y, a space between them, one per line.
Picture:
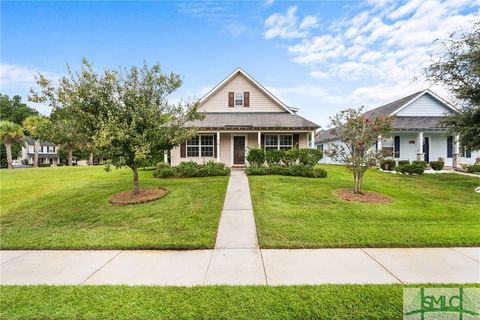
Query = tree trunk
x=136 y=190
x=8 y=150
x=355 y=182
x=360 y=177
x=90 y=160
x=70 y=156
x=36 y=150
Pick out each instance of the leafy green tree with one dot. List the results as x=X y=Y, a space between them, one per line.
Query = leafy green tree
x=124 y=113
x=14 y=110
x=10 y=132
x=457 y=67
x=37 y=128
x=359 y=135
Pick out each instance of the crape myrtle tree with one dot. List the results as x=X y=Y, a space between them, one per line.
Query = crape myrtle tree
x=456 y=65
x=37 y=128
x=123 y=113
x=359 y=136
x=9 y=133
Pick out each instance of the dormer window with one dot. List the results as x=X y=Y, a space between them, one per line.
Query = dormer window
x=238 y=99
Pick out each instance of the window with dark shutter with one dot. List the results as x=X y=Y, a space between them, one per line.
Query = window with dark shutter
x=246 y=99
x=230 y=99
x=397 y=146
x=449 y=146
x=295 y=140
x=215 y=146
x=468 y=153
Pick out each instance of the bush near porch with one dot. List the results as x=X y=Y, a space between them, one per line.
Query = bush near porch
x=428 y=210
x=68 y=208
x=190 y=169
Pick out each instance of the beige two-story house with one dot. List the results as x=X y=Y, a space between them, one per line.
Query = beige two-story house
x=241 y=114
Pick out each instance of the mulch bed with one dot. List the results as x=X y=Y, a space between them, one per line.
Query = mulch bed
x=145 y=195
x=368 y=197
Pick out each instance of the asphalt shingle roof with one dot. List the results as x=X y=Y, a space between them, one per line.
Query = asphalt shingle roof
x=252 y=120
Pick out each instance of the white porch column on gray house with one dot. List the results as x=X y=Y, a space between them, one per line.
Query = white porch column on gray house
x=165 y=156
x=456 y=152
x=420 y=146
x=259 y=139
x=218 y=146
x=312 y=140
x=379 y=143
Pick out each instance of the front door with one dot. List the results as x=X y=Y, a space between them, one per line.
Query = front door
x=239 y=150
x=426 y=150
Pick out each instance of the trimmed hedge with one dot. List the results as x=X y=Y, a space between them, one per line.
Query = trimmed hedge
x=274 y=157
x=309 y=157
x=437 y=165
x=189 y=169
x=474 y=168
x=44 y=165
x=256 y=156
x=388 y=164
x=402 y=162
x=422 y=163
x=296 y=170
x=411 y=169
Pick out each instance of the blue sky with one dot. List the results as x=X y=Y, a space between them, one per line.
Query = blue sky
x=318 y=56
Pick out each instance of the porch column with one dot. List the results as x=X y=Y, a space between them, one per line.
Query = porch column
x=165 y=156
x=379 y=144
x=218 y=146
x=420 y=146
x=312 y=140
x=259 y=139
x=456 y=152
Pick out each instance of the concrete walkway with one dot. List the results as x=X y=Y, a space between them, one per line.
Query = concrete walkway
x=237 y=260
x=242 y=266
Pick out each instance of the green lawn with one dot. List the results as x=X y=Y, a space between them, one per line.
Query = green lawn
x=428 y=210
x=68 y=208
x=383 y=302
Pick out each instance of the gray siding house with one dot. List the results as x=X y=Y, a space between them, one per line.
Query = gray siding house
x=47 y=152
x=416 y=133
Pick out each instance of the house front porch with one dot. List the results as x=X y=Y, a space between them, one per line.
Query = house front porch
x=231 y=146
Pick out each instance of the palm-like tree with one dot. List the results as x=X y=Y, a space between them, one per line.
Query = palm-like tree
x=9 y=133
x=35 y=128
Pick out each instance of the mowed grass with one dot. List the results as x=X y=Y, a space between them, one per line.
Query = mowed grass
x=68 y=208
x=429 y=210
x=383 y=302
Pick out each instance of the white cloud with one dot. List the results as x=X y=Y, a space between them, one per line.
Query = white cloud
x=269 y=2
x=319 y=74
x=13 y=75
x=287 y=26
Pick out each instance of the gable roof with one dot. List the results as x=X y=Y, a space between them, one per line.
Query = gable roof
x=262 y=89
x=394 y=107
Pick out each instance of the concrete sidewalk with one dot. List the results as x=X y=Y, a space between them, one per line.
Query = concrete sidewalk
x=241 y=266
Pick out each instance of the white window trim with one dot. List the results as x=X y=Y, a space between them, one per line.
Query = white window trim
x=235 y=99
x=278 y=141
x=199 y=146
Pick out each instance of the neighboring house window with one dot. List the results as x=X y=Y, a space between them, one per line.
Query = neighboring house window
x=320 y=147
x=449 y=146
x=397 y=146
x=465 y=153
x=200 y=146
x=278 y=141
x=238 y=98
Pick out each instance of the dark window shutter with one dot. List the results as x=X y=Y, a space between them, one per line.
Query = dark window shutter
x=397 y=146
x=183 y=150
x=295 y=139
x=468 y=153
x=449 y=146
x=214 y=145
x=246 y=99
x=262 y=141
x=230 y=99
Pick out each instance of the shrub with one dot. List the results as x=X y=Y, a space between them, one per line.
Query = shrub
x=274 y=157
x=402 y=162
x=411 y=169
x=437 y=165
x=422 y=163
x=299 y=170
x=387 y=164
x=309 y=157
x=256 y=157
x=257 y=171
x=44 y=165
x=290 y=156
x=319 y=172
x=188 y=169
x=60 y=164
x=473 y=168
